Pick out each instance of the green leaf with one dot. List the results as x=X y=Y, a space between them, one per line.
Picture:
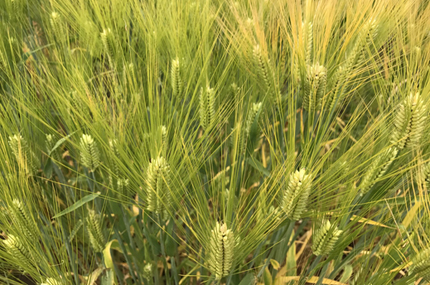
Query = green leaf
x=106 y=254
x=291 y=258
x=171 y=245
x=347 y=272
x=248 y=279
x=267 y=277
x=47 y=170
x=59 y=142
x=258 y=166
x=78 y=204
x=108 y=278
x=275 y=264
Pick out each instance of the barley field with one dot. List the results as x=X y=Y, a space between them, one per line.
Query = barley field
x=243 y=142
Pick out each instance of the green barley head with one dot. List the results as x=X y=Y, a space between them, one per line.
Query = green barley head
x=251 y=125
x=147 y=271
x=421 y=265
x=57 y=25
x=315 y=84
x=296 y=194
x=19 y=253
x=90 y=156
x=108 y=41
x=175 y=74
x=325 y=238
x=158 y=188
x=21 y=218
x=207 y=107
x=263 y=66
x=114 y=153
x=221 y=250
x=164 y=140
x=377 y=169
x=94 y=229
x=425 y=175
x=19 y=147
x=308 y=39
x=409 y=122
x=122 y=187
x=24 y=156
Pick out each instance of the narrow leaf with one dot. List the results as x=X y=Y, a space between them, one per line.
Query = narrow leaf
x=78 y=204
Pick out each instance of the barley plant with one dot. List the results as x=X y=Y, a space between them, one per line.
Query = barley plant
x=214 y=142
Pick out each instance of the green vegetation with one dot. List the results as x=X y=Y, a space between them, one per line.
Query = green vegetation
x=214 y=142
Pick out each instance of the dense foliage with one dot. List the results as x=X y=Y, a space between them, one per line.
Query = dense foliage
x=214 y=142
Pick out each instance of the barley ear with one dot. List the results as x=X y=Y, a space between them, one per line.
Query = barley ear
x=108 y=41
x=263 y=67
x=308 y=37
x=123 y=188
x=377 y=169
x=251 y=128
x=175 y=74
x=90 y=156
x=207 y=107
x=315 y=84
x=20 y=254
x=114 y=152
x=325 y=238
x=425 y=175
x=57 y=25
x=221 y=250
x=21 y=218
x=421 y=265
x=409 y=122
x=158 y=187
x=94 y=229
x=25 y=158
x=296 y=194
x=164 y=140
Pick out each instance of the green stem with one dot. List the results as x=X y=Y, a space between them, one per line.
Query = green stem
x=163 y=252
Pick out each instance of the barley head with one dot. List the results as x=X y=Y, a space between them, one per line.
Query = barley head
x=114 y=152
x=251 y=125
x=158 y=189
x=314 y=87
x=296 y=194
x=378 y=168
x=263 y=66
x=57 y=25
x=421 y=265
x=108 y=41
x=94 y=229
x=207 y=107
x=221 y=250
x=425 y=175
x=308 y=39
x=325 y=238
x=410 y=122
x=164 y=140
x=90 y=156
x=175 y=74
x=24 y=156
x=18 y=251
x=21 y=218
